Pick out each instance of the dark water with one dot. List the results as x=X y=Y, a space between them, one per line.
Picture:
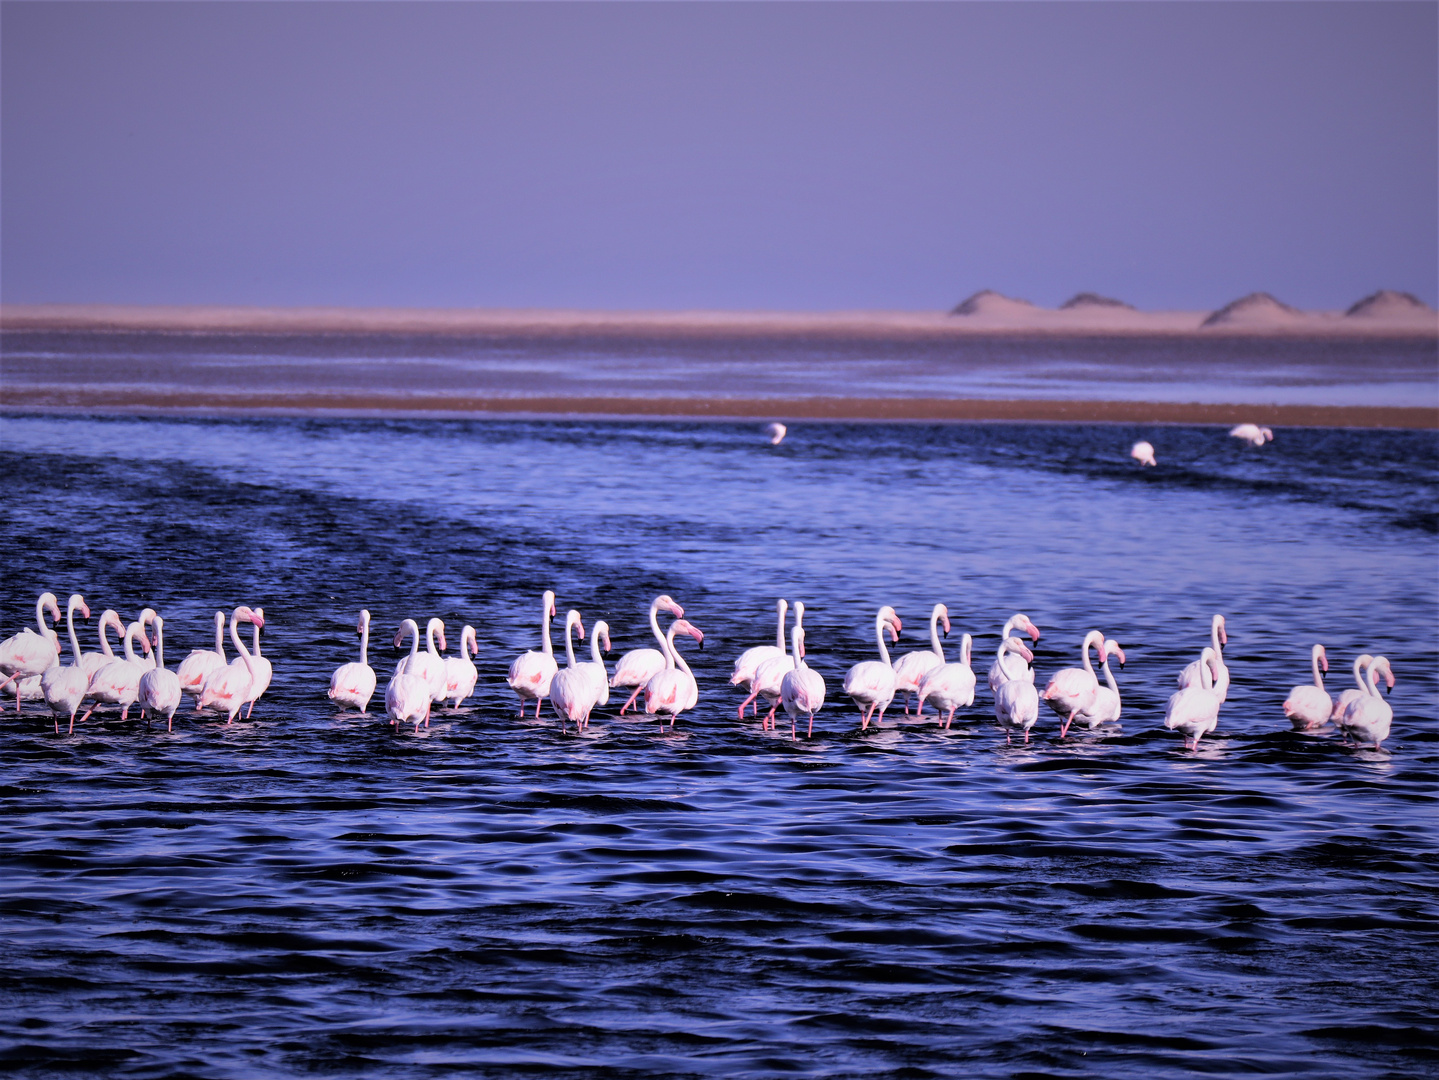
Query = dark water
x=312 y=893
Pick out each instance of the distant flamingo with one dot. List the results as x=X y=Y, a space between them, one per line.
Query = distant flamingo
x=159 y=687
x=1361 y=669
x=750 y=659
x=573 y=691
x=353 y=683
x=1074 y=689
x=460 y=671
x=870 y=683
x=407 y=697
x=802 y=688
x=1252 y=433
x=1010 y=664
x=1367 y=719
x=1016 y=702
x=1192 y=673
x=638 y=666
x=531 y=672
x=64 y=687
x=950 y=686
x=198 y=666
x=228 y=687
x=673 y=690
x=776 y=433
x=1309 y=706
x=1143 y=453
x=911 y=668
x=768 y=681
x=1194 y=710
x=1106 y=707
x=27 y=653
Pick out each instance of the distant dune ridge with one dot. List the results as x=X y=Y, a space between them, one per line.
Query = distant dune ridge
x=1083 y=300
x=1258 y=309
x=1388 y=304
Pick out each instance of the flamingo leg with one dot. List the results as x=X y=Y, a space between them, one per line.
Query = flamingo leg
x=811 y=726
x=633 y=698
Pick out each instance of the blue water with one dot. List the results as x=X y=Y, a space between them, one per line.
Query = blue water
x=310 y=892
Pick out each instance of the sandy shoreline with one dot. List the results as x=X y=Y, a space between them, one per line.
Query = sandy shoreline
x=184 y=403
x=866 y=325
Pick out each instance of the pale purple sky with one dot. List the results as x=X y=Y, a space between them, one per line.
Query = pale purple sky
x=679 y=155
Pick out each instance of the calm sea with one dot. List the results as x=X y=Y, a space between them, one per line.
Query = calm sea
x=315 y=893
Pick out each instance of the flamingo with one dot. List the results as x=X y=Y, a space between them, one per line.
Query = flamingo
x=769 y=678
x=1361 y=665
x=94 y=661
x=1309 y=706
x=1073 y=689
x=802 y=688
x=776 y=433
x=911 y=668
x=198 y=666
x=594 y=668
x=352 y=683
x=460 y=671
x=638 y=666
x=1105 y=708
x=1368 y=717
x=1008 y=666
x=64 y=687
x=260 y=668
x=160 y=687
x=146 y=617
x=1252 y=433
x=1143 y=452
x=429 y=665
x=950 y=686
x=870 y=683
x=229 y=686
x=28 y=653
x=531 y=672
x=1218 y=637
x=751 y=659
x=118 y=683
x=1016 y=702
x=573 y=691
x=408 y=695
x=1194 y=710
x=673 y=690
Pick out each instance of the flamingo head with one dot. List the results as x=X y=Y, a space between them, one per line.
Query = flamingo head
x=944 y=618
x=1022 y=622
x=664 y=603
x=604 y=637
x=801 y=651
x=111 y=617
x=573 y=619
x=1382 y=663
x=550 y=610
x=680 y=626
x=1111 y=648
x=1268 y=435
x=1223 y=631
x=890 y=619
x=1323 y=658
x=78 y=601
x=145 y=642
x=364 y=623
x=1018 y=646
x=470 y=639
x=257 y=616
x=51 y=606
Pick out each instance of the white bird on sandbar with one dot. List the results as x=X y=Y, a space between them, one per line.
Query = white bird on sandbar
x=776 y=433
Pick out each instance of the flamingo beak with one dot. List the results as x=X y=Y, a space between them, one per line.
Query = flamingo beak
x=946 y=626
x=579 y=624
x=85 y=608
x=1120 y=653
x=606 y=640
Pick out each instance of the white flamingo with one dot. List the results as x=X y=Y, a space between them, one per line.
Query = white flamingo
x=147 y=617
x=594 y=668
x=1252 y=433
x=352 y=684
x=1309 y=705
x=1192 y=673
x=870 y=683
x=261 y=669
x=118 y=683
x=638 y=666
x=673 y=690
x=1194 y=710
x=94 y=661
x=531 y=672
x=951 y=685
x=750 y=660
x=1361 y=668
x=1073 y=689
x=407 y=697
x=573 y=692
x=228 y=687
x=1016 y=702
x=429 y=664
x=911 y=668
x=160 y=687
x=1143 y=453
x=1368 y=717
x=768 y=678
x=460 y=671
x=1010 y=665
x=776 y=433
x=201 y=663
x=64 y=687
x=1106 y=707
x=27 y=653
x=802 y=688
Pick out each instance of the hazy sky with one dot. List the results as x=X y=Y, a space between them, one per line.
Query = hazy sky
x=680 y=155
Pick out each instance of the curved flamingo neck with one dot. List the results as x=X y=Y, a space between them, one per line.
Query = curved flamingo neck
x=782 y=607
x=1214 y=639
x=130 y=632
x=108 y=615
x=1088 y=643
x=570 y=620
x=879 y=625
x=545 y=643
x=668 y=641
x=220 y=634
x=40 y=613
x=159 y=644
x=797 y=644
x=655 y=626
x=596 y=656
x=1108 y=675
x=243 y=652
x=966 y=647
x=70 y=625
x=1318 y=675
x=255 y=637
x=1359 y=662
x=1372 y=687
x=365 y=643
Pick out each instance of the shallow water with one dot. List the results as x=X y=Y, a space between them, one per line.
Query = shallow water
x=308 y=892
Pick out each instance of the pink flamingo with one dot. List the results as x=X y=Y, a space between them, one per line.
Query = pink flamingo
x=160 y=687
x=229 y=686
x=1309 y=706
x=638 y=666
x=769 y=678
x=1016 y=702
x=1073 y=689
x=573 y=691
x=353 y=683
x=802 y=688
x=750 y=660
x=1194 y=710
x=408 y=695
x=1368 y=717
x=1009 y=664
x=201 y=663
x=870 y=683
x=64 y=687
x=460 y=671
x=950 y=686
x=1106 y=707
x=673 y=690
x=531 y=672
x=1192 y=673
x=911 y=668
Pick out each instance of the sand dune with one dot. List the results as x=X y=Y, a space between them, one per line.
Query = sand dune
x=1258 y=310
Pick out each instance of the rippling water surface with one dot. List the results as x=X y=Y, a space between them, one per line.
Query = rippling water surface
x=312 y=892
